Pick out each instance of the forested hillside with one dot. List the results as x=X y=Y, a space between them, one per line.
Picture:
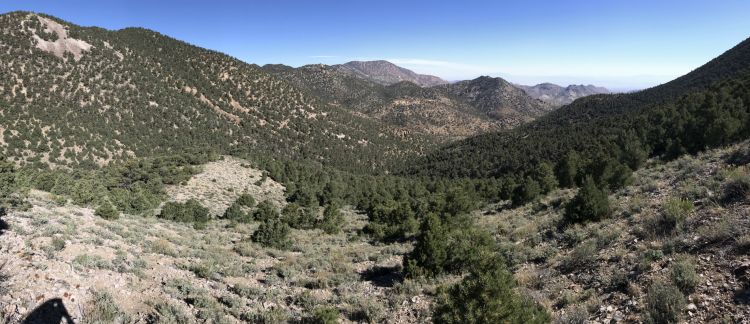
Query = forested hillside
x=73 y=95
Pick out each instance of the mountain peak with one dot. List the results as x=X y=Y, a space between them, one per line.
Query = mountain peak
x=387 y=73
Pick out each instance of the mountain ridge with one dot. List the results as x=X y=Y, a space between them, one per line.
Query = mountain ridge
x=387 y=73
x=559 y=95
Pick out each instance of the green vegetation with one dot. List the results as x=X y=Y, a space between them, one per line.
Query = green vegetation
x=150 y=105
x=608 y=136
x=265 y=211
x=332 y=219
x=683 y=275
x=590 y=204
x=107 y=211
x=672 y=217
x=190 y=211
x=323 y=315
x=487 y=296
x=246 y=200
x=236 y=214
x=103 y=309
x=448 y=246
x=430 y=253
x=299 y=217
x=273 y=233
x=736 y=189
x=664 y=304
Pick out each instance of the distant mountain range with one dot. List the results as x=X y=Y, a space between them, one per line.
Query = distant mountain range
x=450 y=109
x=387 y=73
x=558 y=95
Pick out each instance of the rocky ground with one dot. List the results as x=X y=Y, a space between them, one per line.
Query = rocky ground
x=143 y=269
x=601 y=272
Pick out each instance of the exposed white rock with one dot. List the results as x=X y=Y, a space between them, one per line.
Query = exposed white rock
x=63 y=44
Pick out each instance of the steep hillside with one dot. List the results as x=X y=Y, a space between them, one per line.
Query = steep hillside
x=73 y=95
x=705 y=108
x=387 y=73
x=673 y=249
x=557 y=95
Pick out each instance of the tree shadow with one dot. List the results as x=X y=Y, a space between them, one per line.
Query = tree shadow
x=52 y=311
x=383 y=276
x=742 y=296
x=3 y=224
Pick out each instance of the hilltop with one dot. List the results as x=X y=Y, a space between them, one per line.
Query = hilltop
x=387 y=73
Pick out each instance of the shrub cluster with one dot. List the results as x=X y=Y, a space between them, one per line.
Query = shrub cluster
x=107 y=211
x=671 y=218
x=190 y=211
x=736 y=189
x=590 y=204
x=683 y=275
x=487 y=296
x=664 y=304
x=448 y=246
x=273 y=233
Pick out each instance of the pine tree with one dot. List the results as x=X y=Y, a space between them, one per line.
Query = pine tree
x=273 y=233
x=431 y=251
x=235 y=213
x=487 y=295
x=590 y=204
x=332 y=219
x=526 y=192
x=545 y=176
x=567 y=169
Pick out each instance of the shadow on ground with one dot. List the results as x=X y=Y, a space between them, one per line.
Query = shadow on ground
x=52 y=311
x=383 y=276
x=3 y=224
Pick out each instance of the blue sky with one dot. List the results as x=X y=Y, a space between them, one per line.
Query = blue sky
x=619 y=44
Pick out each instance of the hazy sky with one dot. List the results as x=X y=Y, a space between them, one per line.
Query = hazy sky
x=619 y=44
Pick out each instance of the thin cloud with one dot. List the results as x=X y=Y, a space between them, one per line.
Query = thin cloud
x=436 y=63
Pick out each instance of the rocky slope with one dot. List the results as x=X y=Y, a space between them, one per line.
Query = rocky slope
x=557 y=95
x=607 y=271
x=387 y=73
